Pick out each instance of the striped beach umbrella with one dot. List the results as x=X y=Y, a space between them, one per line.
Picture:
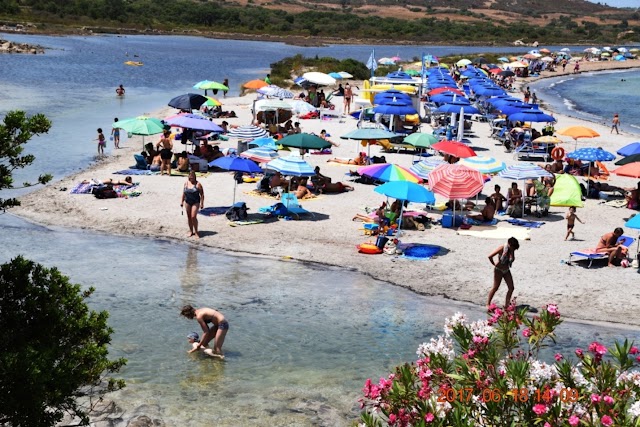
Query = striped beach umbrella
x=291 y=165
x=424 y=167
x=455 y=181
x=247 y=132
x=260 y=154
x=388 y=172
x=483 y=164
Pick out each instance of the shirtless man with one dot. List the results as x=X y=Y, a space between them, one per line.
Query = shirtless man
x=120 y=90
x=609 y=244
x=218 y=329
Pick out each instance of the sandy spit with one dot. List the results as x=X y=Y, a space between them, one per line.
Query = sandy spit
x=462 y=272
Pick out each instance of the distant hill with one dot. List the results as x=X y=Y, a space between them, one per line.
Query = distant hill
x=311 y=21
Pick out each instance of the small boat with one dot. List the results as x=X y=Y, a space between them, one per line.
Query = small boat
x=134 y=63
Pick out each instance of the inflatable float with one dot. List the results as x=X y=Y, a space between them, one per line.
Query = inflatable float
x=134 y=63
x=369 y=248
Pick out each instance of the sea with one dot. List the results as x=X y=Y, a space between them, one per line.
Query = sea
x=595 y=96
x=303 y=338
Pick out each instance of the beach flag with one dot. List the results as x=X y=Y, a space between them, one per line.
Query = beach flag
x=372 y=64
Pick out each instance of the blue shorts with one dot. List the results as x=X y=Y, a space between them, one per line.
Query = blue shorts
x=223 y=326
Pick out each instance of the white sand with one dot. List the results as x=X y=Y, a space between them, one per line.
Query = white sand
x=462 y=273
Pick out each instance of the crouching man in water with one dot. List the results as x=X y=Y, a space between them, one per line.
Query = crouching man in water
x=218 y=329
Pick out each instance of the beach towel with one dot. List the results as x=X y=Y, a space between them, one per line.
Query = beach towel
x=178 y=173
x=82 y=188
x=419 y=252
x=501 y=233
x=214 y=210
x=471 y=221
x=615 y=203
x=269 y=196
x=125 y=191
x=523 y=223
x=245 y=222
x=135 y=172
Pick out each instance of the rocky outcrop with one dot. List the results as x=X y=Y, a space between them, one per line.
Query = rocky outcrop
x=11 y=47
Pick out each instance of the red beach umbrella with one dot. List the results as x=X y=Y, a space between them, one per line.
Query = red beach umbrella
x=439 y=90
x=454 y=148
x=631 y=170
x=455 y=181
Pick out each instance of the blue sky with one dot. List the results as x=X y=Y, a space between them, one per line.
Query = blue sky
x=619 y=3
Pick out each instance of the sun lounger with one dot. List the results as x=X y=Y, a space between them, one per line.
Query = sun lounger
x=290 y=201
x=591 y=253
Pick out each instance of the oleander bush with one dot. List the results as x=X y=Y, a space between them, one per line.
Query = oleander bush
x=487 y=373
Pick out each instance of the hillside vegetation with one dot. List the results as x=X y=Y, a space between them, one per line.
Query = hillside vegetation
x=427 y=21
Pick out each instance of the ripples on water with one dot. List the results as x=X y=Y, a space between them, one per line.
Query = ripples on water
x=301 y=343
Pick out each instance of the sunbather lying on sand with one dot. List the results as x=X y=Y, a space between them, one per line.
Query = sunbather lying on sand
x=361 y=160
x=110 y=181
x=303 y=192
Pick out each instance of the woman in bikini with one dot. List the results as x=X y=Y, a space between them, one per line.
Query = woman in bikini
x=361 y=160
x=502 y=268
x=218 y=329
x=193 y=197
x=166 y=152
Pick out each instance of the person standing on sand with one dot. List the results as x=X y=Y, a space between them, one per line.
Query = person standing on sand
x=224 y=92
x=165 y=145
x=502 y=268
x=193 y=197
x=267 y=79
x=348 y=96
x=615 y=123
x=218 y=329
x=120 y=90
x=571 y=222
x=115 y=134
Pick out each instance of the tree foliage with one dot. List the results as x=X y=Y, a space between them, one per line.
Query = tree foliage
x=281 y=71
x=53 y=348
x=15 y=131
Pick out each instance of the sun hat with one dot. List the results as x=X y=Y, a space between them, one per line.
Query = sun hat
x=193 y=336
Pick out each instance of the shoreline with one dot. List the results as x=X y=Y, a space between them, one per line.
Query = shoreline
x=462 y=274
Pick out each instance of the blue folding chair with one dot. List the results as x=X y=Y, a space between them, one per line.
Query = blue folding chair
x=290 y=201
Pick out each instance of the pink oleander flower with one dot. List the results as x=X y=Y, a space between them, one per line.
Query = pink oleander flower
x=558 y=357
x=429 y=417
x=597 y=348
x=579 y=352
x=638 y=359
x=574 y=420
x=392 y=418
x=595 y=398
x=540 y=409
x=526 y=333
x=606 y=420
x=547 y=425
x=553 y=309
x=608 y=400
x=633 y=350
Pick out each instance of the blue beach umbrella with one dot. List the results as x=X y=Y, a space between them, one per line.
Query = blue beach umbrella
x=634 y=223
x=336 y=76
x=265 y=142
x=488 y=91
x=447 y=98
x=455 y=107
x=590 y=154
x=193 y=121
x=395 y=108
x=405 y=190
x=236 y=164
x=630 y=149
x=188 y=101
x=369 y=133
x=532 y=115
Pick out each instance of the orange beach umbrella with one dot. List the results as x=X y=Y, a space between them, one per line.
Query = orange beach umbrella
x=255 y=84
x=576 y=132
x=631 y=170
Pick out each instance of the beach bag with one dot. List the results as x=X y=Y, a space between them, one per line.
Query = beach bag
x=238 y=212
x=279 y=209
x=104 y=192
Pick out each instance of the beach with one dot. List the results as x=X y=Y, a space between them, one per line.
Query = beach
x=461 y=271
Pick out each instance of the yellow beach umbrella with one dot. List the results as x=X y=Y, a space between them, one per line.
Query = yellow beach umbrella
x=548 y=139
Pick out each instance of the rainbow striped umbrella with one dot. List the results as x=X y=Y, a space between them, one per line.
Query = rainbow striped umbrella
x=212 y=102
x=483 y=164
x=424 y=167
x=388 y=172
x=455 y=181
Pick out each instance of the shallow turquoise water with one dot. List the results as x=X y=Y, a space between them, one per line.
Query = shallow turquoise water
x=302 y=339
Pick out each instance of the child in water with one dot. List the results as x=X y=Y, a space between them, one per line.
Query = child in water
x=571 y=222
x=194 y=340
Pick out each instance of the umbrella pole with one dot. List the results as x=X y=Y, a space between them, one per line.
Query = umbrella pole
x=588 y=177
x=400 y=219
x=235 y=185
x=523 y=195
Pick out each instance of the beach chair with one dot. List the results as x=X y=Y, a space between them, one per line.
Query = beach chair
x=528 y=150
x=591 y=254
x=141 y=162
x=290 y=201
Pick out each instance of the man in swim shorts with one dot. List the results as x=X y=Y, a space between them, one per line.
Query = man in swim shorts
x=218 y=329
x=120 y=90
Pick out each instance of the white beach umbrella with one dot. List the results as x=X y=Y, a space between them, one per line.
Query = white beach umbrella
x=318 y=78
x=301 y=107
x=272 y=105
x=345 y=75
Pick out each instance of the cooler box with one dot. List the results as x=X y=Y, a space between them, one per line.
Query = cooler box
x=448 y=222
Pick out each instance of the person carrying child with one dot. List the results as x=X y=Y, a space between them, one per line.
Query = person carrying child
x=571 y=222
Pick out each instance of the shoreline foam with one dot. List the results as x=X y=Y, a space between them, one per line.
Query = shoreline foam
x=463 y=274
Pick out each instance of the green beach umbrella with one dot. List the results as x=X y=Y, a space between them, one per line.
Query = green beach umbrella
x=304 y=141
x=209 y=85
x=141 y=125
x=421 y=140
